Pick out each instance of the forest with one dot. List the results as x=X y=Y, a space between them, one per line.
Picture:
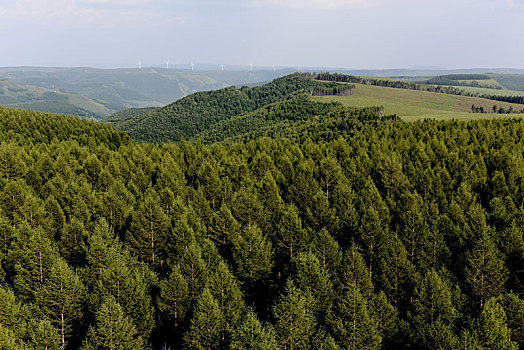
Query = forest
x=348 y=230
x=196 y=114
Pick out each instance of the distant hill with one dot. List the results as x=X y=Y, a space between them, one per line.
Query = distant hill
x=510 y=82
x=202 y=111
x=31 y=97
x=134 y=88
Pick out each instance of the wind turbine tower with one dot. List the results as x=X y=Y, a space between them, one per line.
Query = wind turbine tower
x=139 y=64
x=192 y=66
x=274 y=68
x=222 y=68
x=167 y=64
x=251 y=65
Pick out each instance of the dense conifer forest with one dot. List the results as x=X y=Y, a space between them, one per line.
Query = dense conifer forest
x=198 y=113
x=334 y=228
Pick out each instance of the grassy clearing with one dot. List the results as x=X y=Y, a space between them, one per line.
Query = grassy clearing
x=413 y=105
x=486 y=91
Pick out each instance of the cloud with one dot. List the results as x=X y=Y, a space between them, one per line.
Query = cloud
x=84 y=13
x=317 y=4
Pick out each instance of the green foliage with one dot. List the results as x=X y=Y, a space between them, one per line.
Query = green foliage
x=251 y=334
x=294 y=319
x=492 y=328
x=207 y=323
x=379 y=235
x=353 y=324
x=112 y=330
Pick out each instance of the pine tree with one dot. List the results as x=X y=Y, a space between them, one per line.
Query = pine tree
x=60 y=298
x=434 y=312
x=353 y=324
x=292 y=237
x=45 y=336
x=149 y=230
x=207 y=323
x=373 y=225
x=56 y=216
x=385 y=315
x=73 y=242
x=224 y=228
x=312 y=279
x=31 y=257
x=492 y=329
x=514 y=309
x=9 y=341
x=112 y=330
x=327 y=251
x=193 y=268
x=252 y=255
x=174 y=299
x=485 y=270
x=224 y=288
x=250 y=334
x=355 y=272
x=294 y=320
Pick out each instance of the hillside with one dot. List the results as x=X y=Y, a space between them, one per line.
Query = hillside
x=199 y=112
x=133 y=88
x=414 y=104
x=229 y=113
x=51 y=100
x=346 y=230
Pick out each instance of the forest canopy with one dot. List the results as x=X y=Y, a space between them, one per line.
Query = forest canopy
x=349 y=230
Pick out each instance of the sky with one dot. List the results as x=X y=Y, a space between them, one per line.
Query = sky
x=358 y=34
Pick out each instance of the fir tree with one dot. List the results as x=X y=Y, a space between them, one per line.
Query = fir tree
x=207 y=323
x=112 y=330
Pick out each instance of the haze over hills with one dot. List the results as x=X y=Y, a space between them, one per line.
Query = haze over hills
x=98 y=93
x=118 y=89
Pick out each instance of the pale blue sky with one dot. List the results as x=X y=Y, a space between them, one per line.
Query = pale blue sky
x=336 y=33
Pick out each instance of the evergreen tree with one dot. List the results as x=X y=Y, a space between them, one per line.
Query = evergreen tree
x=45 y=336
x=225 y=290
x=148 y=233
x=294 y=320
x=250 y=334
x=252 y=256
x=312 y=279
x=327 y=251
x=292 y=237
x=112 y=330
x=355 y=272
x=485 y=270
x=174 y=299
x=492 y=330
x=353 y=325
x=207 y=323
x=60 y=298
x=434 y=312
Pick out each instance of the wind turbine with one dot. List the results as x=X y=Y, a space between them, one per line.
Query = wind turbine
x=251 y=65
x=192 y=66
x=167 y=64
x=274 y=68
x=222 y=68
x=139 y=64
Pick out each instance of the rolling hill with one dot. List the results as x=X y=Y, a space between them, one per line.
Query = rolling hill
x=199 y=112
x=241 y=113
x=133 y=88
x=413 y=104
x=49 y=100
